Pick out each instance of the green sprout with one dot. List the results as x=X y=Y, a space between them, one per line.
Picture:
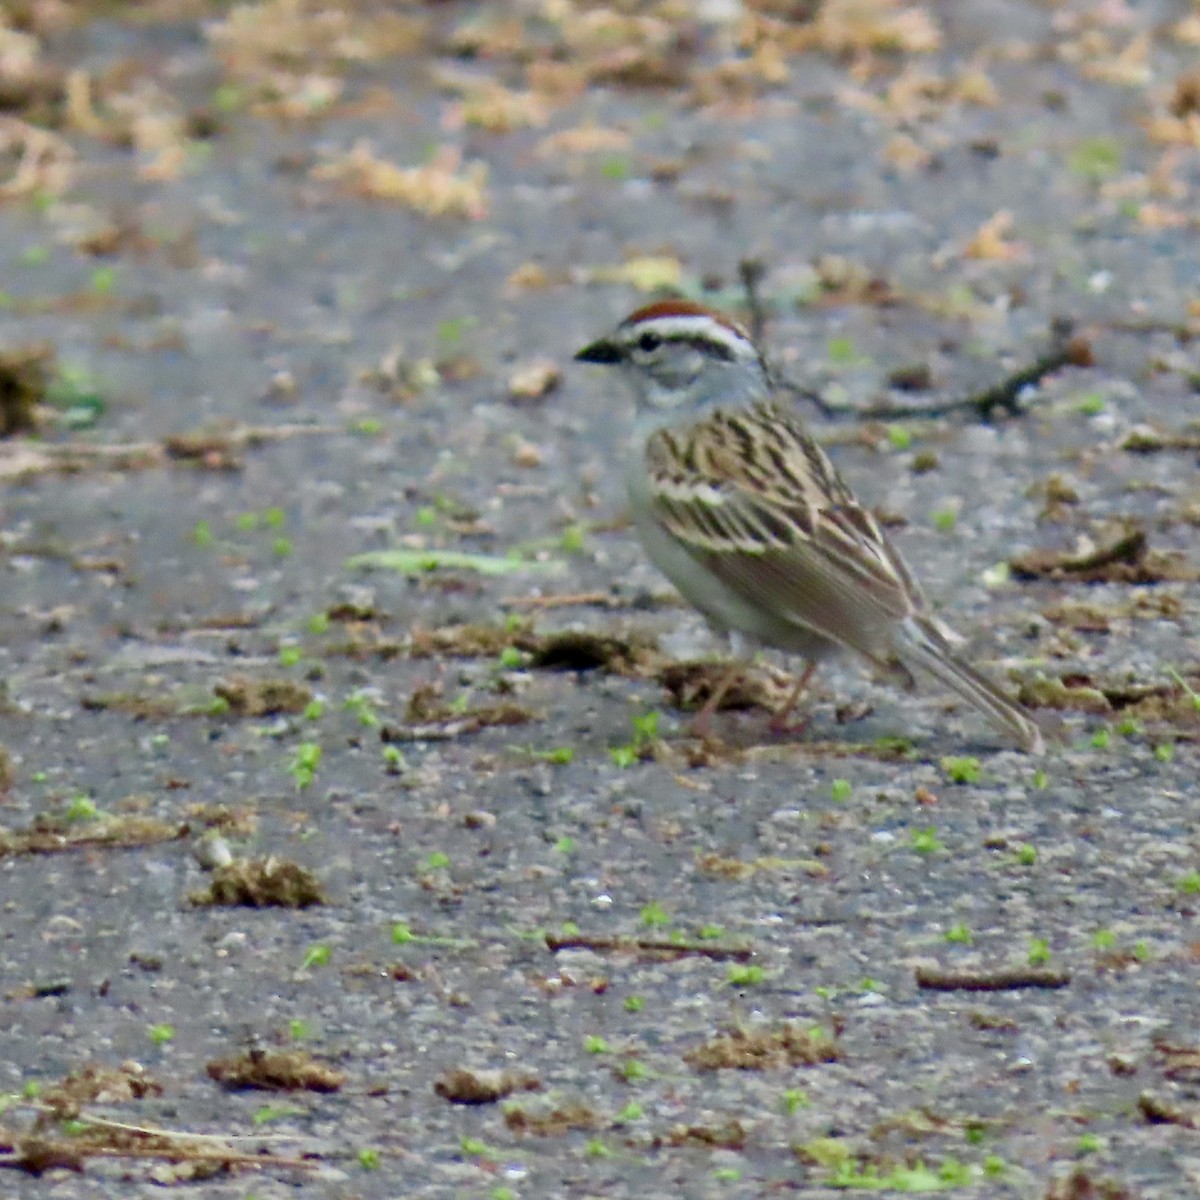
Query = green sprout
x=317 y=955
x=624 y=756
x=916 y=1178
x=559 y=755
x=359 y=703
x=394 y=760
x=304 y=763
x=573 y=538
x=104 y=279
x=926 y=841
x=745 y=974
x=267 y=1113
x=645 y=734
x=945 y=519
x=1039 y=952
x=82 y=808
x=227 y=97
x=1095 y=158
x=843 y=352
x=962 y=769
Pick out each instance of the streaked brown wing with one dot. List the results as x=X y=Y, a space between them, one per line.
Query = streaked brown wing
x=761 y=507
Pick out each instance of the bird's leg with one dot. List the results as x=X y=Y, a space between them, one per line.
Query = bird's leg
x=702 y=723
x=779 y=721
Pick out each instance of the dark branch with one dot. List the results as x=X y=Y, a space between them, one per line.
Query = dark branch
x=1066 y=350
x=752 y=271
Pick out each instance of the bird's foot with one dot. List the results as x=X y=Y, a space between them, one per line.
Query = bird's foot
x=780 y=723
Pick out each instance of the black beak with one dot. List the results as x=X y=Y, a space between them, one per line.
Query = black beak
x=604 y=352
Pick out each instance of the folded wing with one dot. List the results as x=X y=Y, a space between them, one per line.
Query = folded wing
x=761 y=507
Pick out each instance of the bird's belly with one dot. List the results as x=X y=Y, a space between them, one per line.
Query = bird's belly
x=722 y=607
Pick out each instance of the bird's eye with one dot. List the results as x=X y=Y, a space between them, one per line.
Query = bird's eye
x=649 y=342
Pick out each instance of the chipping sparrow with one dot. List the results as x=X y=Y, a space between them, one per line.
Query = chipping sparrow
x=747 y=517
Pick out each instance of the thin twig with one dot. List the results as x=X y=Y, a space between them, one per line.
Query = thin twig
x=232 y=1158
x=752 y=271
x=1183 y=331
x=19 y=459
x=647 y=945
x=571 y=600
x=448 y=729
x=802 y=392
x=218 y=1139
x=1004 y=980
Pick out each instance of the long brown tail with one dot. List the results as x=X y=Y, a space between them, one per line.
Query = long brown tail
x=921 y=646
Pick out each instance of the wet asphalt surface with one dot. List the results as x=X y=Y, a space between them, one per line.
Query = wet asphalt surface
x=251 y=292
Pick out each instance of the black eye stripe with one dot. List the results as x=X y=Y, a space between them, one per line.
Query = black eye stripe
x=648 y=342
x=715 y=349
